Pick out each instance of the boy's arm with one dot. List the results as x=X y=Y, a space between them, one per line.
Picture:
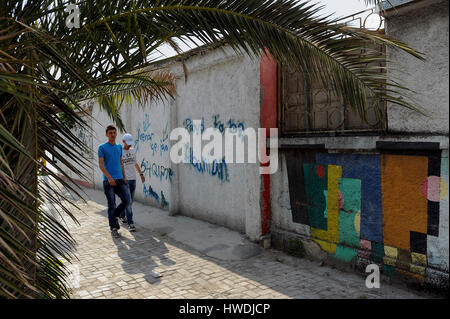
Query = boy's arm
x=101 y=161
x=140 y=172
x=123 y=172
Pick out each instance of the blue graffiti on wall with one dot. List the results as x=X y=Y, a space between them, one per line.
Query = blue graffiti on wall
x=160 y=149
x=231 y=124
x=157 y=171
x=164 y=202
x=144 y=135
x=146 y=123
x=165 y=133
x=213 y=168
x=189 y=125
x=150 y=193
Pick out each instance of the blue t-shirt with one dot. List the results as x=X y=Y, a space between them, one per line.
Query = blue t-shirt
x=112 y=155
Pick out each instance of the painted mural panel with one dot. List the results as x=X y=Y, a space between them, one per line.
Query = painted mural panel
x=404 y=207
x=438 y=252
x=349 y=211
x=365 y=167
x=389 y=208
x=329 y=237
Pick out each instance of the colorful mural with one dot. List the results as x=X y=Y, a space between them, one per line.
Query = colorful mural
x=388 y=208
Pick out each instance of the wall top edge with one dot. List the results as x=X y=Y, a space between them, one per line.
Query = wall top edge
x=378 y=143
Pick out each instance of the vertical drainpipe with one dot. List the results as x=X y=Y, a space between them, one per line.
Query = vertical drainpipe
x=269 y=119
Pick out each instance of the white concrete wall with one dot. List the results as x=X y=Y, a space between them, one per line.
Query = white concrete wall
x=224 y=85
x=221 y=87
x=86 y=137
x=426 y=30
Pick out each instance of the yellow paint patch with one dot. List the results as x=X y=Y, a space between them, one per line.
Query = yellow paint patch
x=390 y=261
x=332 y=234
x=334 y=173
x=443 y=189
x=417 y=270
x=358 y=223
x=419 y=259
x=328 y=247
x=391 y=252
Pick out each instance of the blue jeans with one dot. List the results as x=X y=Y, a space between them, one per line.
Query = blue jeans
x=123 y=192
x=128 y=211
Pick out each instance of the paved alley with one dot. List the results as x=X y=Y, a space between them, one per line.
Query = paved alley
x=160 y=262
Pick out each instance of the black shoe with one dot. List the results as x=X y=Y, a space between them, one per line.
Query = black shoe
x=115 y=233
x=131 y=227
x=123 y=220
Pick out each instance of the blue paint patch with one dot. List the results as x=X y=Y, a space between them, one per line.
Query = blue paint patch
x=367 y=168
x=215 y=168
x=164 y=202
x=150 y=193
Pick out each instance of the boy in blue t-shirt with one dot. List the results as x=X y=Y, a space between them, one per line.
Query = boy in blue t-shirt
x=114 y=179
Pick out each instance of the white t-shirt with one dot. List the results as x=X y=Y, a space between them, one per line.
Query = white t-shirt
x=129 y=159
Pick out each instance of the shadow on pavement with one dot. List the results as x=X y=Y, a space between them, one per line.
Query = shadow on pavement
x=141 y=253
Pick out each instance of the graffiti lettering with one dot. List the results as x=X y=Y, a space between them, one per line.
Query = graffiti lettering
x=215 y=168
x=150 y=193
x=146 y=123
x=188 y=124
x=162 y=148
x=157 y=171
x=142 y=137
x=231 y=124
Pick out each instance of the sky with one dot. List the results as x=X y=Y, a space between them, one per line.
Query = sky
x=342 y=8
x=338 y=8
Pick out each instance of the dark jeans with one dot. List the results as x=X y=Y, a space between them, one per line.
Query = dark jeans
x=128 y=211
x=123 y=192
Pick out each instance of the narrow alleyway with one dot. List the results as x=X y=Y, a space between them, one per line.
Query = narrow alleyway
x=128 y=267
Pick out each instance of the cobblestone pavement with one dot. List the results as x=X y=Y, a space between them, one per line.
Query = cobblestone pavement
x=126 y=267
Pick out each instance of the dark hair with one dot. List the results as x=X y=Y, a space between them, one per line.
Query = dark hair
x=110 y=128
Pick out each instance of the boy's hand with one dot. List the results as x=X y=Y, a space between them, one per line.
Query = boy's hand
x=142 y=178
x=125 y=181
x=112 y=182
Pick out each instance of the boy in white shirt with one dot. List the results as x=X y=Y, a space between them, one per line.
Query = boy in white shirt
x=130 y=166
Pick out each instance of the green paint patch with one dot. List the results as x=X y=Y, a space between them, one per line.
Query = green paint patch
x=444 y=165
x=351 y=192
x=389 y=270
x=346 y=254
x=377 y=252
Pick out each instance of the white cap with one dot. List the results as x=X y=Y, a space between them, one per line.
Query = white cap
x=128 y=138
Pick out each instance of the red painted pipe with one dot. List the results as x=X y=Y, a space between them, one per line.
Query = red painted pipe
x=269 y=107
